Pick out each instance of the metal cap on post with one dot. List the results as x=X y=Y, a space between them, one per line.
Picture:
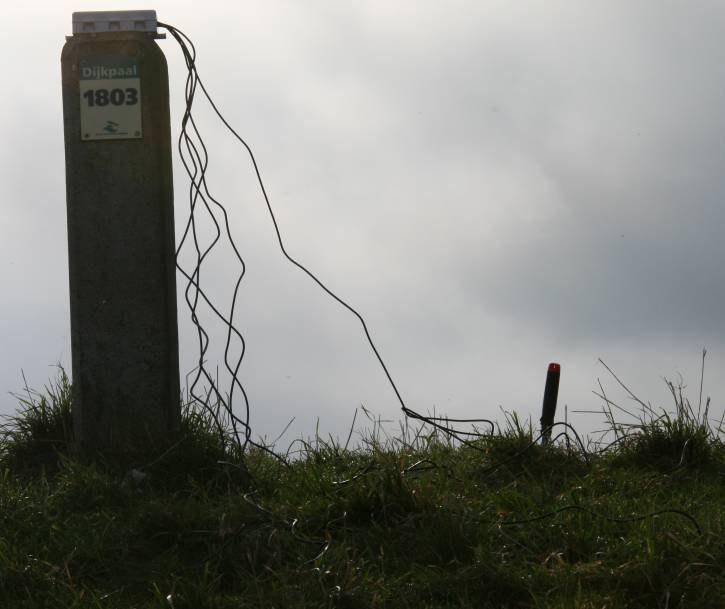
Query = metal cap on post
x=121 y=250
x=551 y=392
x=98 y=22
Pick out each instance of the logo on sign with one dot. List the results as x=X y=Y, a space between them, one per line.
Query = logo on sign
x=111 y=127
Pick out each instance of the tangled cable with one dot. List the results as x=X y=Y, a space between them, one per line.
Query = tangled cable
x=195 y=159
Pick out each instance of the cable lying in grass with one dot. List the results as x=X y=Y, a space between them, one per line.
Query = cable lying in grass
x=580 y=508
x=491 y=469
x=415 y=468
x=495 y=466
x=292 y=525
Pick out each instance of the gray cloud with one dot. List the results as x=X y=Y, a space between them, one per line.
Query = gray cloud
x=494 y=185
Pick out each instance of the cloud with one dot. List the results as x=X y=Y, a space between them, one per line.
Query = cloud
x=494 y=185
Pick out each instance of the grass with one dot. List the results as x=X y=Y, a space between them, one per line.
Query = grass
x=414 y=522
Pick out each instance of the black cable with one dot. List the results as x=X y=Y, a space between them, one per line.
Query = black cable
x=190 y=56
x=495 y=466
x=199 y=162
x=195 y=159
x=580 y=508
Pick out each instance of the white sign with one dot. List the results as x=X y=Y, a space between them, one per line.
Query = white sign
x=110 y=99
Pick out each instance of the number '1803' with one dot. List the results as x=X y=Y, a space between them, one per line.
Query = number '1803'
x=115 y=97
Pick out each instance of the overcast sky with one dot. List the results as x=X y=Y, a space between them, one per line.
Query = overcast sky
x=494 y=185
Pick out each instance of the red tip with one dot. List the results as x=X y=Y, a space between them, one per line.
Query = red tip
x=554 y=367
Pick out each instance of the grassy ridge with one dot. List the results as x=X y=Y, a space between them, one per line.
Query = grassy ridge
x=417 y=522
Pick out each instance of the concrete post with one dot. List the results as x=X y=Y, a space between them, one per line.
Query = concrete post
x=120 y=234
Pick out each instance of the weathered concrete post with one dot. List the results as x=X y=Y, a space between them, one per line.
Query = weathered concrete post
x=120 y=233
